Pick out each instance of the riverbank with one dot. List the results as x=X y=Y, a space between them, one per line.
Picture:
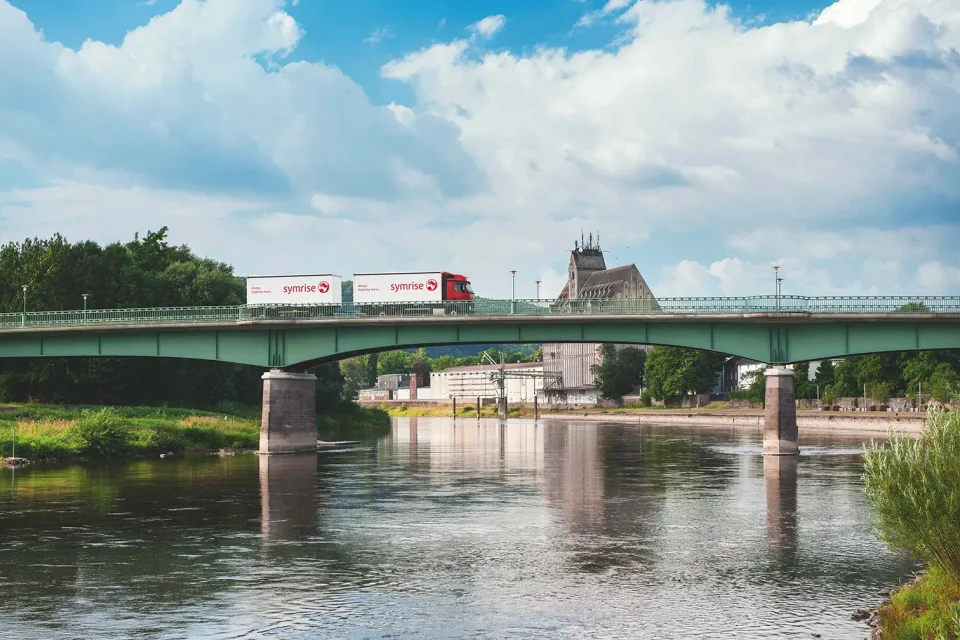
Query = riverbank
x=845 y=422
x=925 y=607
x=62 y=432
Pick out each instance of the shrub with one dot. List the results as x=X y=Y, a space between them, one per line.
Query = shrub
x=646 y=400
x=102 y=433
x=914 y=485
x=166 y=438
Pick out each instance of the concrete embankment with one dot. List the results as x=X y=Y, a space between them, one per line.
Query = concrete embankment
x=807 y=422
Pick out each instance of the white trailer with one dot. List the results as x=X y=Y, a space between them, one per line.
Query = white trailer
x=425 y=286
x=294 y=290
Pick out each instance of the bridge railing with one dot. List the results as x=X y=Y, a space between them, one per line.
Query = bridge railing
x=488 y=307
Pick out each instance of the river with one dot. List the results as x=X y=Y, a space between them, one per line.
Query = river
x=558 y=529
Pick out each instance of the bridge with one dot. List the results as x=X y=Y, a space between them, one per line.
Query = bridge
x=773 y=329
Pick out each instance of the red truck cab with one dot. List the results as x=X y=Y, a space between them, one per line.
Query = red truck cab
x=456 y=287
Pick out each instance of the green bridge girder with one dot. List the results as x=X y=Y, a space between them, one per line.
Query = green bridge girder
x=776 y=338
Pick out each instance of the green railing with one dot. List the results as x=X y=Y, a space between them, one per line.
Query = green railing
x=484 y=307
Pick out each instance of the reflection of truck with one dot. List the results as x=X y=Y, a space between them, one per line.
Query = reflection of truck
x=427 y=286
x=293 y=290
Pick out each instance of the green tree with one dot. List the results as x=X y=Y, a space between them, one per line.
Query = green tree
x=675 y=371
x=355 y=376
x=373 y=364
x=393 y=362
x=826 y=374
x=444 y=362
x=420 y=364
x=537 y=355
x=944 y=383
x=619 y=371
x=805 y=388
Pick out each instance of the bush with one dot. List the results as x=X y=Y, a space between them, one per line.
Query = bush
x=167 y=438
x=646 y=400
x=102 y=433
x=914 y=485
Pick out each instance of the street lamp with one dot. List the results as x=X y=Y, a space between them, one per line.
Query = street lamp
x=776 y=283
x=513 y=291
x=538 y=289
x=85 y=296
x=24 y=305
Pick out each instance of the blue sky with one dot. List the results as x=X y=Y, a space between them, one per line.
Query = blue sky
x=704 y=142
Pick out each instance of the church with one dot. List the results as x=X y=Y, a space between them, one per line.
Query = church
x=587 y=278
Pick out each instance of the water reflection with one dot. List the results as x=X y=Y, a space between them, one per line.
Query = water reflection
x=443 y=529
x=780 y=482
x=288 y=502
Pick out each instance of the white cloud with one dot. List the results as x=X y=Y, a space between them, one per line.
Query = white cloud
x=709 y=147
x=377 y=35
x=489 y=26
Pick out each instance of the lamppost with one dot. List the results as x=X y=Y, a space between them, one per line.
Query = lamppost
x=85 y=296
x=538 y=289
x=776 y=284
x=24 y=305
x=513 y=290
x=779 y=290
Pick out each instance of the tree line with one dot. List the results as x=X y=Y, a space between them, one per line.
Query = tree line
x=145 y=272
x=672 y=372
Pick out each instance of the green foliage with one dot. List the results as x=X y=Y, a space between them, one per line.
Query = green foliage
x=619 y=371
x=879 y=391
x=914 y=486
x=355 y=373
x=393 y=362
x=146 y=272
x=103 y=434
x=674 y=371
x=943 y=383
x=926 y=608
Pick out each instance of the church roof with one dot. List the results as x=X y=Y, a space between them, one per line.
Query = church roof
x=608 y=276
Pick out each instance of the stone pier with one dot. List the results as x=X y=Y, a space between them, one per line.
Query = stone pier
x=289 y=421
x=780 y=414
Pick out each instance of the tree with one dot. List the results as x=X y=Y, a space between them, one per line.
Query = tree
x=373 y=363
x=804 y=387
x=619 y=371
x=444 y=362
x=537 y=355
x=393 y=362
x=675 y=371
x=944 y=383
x=420 y=364
x=354 y=372
x=826 y=374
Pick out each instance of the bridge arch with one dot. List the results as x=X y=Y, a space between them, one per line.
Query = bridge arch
x=303 y=343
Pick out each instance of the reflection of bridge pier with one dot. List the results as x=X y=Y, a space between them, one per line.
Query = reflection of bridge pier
x=288 y=501
x=574 y=478
x=780 y=479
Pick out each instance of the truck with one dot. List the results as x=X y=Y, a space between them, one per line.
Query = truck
x=434 y=292
x=294 y=291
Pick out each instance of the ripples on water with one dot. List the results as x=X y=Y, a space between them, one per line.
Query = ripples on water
x=561 y=529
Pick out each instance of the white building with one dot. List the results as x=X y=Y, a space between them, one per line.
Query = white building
x=470 y=383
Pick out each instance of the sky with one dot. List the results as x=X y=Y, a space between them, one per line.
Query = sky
x=703 y=142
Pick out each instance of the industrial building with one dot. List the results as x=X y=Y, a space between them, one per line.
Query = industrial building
x=522 y=382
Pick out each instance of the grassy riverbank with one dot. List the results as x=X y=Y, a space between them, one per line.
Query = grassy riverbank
x=63 y=432
x=929 y=607
x=914 y=486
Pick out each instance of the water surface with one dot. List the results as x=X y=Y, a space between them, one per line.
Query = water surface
x=557 y=529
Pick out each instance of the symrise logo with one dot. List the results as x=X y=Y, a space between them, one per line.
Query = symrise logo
x=431 y=285
x=323 y=287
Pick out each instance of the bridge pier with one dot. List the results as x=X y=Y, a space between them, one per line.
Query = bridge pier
x=780 y=415
x=289 y=420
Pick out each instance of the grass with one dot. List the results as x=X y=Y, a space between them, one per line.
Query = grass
x=926 y=609
x=914 y=487
x=46 y=432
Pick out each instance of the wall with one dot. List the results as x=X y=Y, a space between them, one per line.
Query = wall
x=474 y=383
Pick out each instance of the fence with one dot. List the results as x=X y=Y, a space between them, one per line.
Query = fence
x=484 y=307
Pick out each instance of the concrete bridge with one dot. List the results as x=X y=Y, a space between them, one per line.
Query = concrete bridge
x=289 y=340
